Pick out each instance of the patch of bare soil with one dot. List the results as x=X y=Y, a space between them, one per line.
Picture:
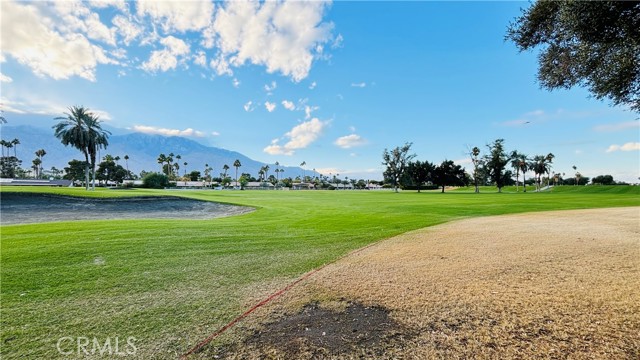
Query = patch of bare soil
x=324 y=332
x=550 y=285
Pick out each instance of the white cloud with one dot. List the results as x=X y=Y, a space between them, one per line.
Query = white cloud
x=630 y=146
x=270 y=87
x=249 y=107
x=181 y=16
x=352 y=128
x=167 y=58
x=167 y=132
x=5 y=79
x=128 y=30
x=289 y=105
x=337 y=42
x=282 y=36
x=200 y=58
x=300 y=137
x=215 y=133
x=236 y=83
x=30 y=38
x=313 y=85
x=359 y=85
x=308 y=110
x=617 y=127
x=118 y=4
x=349 y=141
x=270 y=106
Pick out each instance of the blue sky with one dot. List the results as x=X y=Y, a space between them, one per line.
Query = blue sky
x=330 y=84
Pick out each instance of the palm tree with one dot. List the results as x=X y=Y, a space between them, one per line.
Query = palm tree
x=225 y=168
x=40 y=153
x=237 y=164
x=169 y=162
x=14 y=144
x=36 y=167
x=475 y=152
x=185 y=168
x=515 y=163
x=98 y=138
x=3 y=143
x=577 y=174
x=115 y=159
x=81 y=129
x=301 y=165
x=524 y=166
x=549 y=160
x=126 y=162
x=162 y=158
x=266 y=172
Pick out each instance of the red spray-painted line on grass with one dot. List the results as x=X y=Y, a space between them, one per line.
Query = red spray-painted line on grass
x=206 y=341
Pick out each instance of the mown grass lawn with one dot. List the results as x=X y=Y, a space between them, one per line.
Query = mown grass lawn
x=171 y=283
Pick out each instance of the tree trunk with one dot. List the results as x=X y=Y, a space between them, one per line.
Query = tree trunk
x=443 y=188
x=517 y=178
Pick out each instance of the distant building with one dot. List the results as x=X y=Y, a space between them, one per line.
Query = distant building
x=35 y=182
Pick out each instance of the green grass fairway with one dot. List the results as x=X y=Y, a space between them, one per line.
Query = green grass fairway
x=171 y=283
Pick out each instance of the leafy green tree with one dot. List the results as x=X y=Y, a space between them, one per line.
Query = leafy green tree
x=81 y=129
x=109 y=170
x=9 y=166
x=194 y=175
x=396 y=162
x=449 y=174
x=603 y=180
x=75 y=170
x=155 y=181
x=243 y=181
x=592 y=44
x=420 y=172
x=495 y=162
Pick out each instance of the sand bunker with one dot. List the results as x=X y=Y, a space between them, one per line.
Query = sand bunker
x=24 y=208
x=561 y=284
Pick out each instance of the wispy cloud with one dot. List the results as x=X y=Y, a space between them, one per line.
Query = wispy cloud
x=289 y=105
x=188 y=132
x=299 y=137
x=236 y=83
x=359 y=85
x=174 y=53
x=617 y=127
x=350 y=141
x=270 y=106
x=630 y=146
x=5 y=79
x=313 y=85
x=248 y=106
x=270 y=87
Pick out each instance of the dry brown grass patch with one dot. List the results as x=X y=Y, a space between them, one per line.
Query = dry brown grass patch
x=541 y=285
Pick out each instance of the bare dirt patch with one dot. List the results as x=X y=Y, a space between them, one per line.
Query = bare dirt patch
x=551 y=285
x=25 y=208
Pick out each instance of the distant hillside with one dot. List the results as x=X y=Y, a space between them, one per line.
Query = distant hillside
x=143 y=150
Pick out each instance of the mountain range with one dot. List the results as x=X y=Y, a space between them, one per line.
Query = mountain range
x=142 y=149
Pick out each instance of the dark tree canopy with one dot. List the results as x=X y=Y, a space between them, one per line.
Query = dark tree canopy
x=593 y=44
x=495 y=162
x=449 y=174
x=396 y=162
x=419 y=172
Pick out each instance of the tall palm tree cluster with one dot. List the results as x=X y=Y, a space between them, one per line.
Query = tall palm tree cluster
x=81 y=129
x=539 y=164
